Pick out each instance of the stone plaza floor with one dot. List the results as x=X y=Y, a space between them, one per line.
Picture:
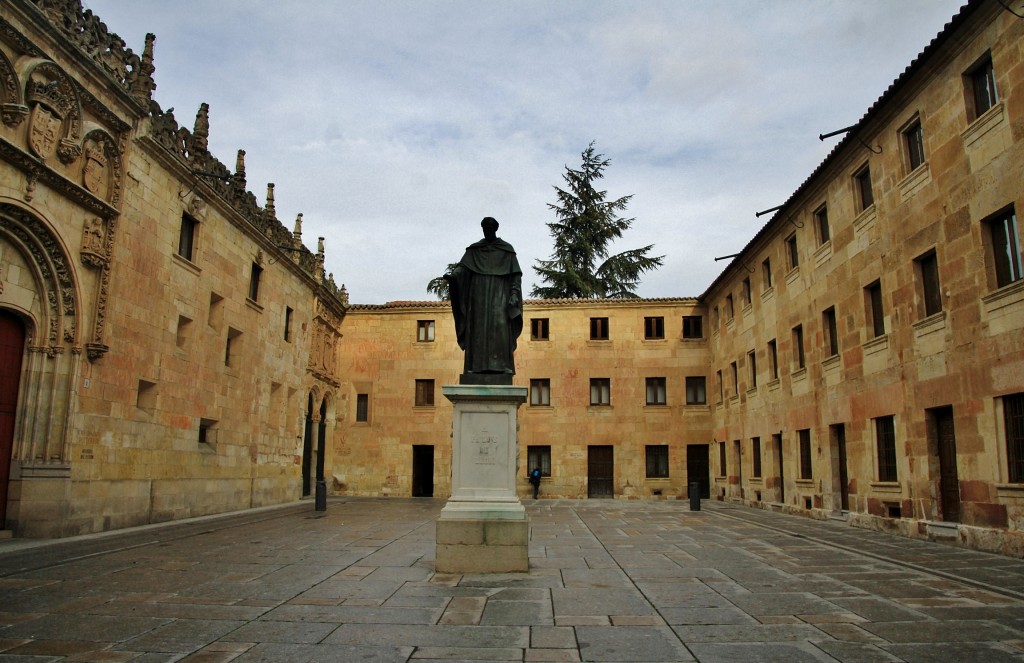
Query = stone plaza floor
x=609 y=581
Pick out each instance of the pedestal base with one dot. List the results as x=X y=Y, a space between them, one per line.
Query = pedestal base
x=482 y=546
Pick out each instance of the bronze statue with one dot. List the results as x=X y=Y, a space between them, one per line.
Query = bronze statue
x=487 y=302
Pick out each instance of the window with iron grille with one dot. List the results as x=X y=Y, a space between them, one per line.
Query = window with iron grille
x=539 y=456
x=1013 y=423
x=885 y=439
x=362 y=407
x=657 y=461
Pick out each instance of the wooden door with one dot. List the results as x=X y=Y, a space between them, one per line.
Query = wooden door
x=12 y=348
x=949 y=480
x=600 y=471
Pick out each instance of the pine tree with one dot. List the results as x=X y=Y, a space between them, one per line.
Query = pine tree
x=438 y=286
x=586 y=224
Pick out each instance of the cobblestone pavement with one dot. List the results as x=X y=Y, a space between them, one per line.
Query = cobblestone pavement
x=609 y=581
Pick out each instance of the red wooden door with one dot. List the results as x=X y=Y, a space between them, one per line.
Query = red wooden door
x=12 y=347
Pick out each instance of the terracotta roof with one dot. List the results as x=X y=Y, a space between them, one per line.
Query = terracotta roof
x=529 y=302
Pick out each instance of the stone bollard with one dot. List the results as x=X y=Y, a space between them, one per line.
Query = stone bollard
x=694 y=496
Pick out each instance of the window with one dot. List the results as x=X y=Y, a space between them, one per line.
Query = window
x=424 y=393
x=539 y=329
x=539 y=456
x=804 y=439
x=828 y=321
x=654 y=327
x=735 y=372
x=766 y=272
x=208 y=433
x=792 y=252
x=656 y=391
x=657 y=461
x=424 y=331
x=599 y=329
x=696 y=390
x=254 y=282
x=745 y=291
x=913 y=140
x=873 y=303
x=773 y=359
x=798 y=347
x=755 y=452
x=600 y=391
x=885 y=439
x=721 y=459
x=862 y=186
x=231 y=347
x=721 y=386
x=183 y=333
x=729 y=311
x=821 y=224
x=288 y=312
x=187 y=237
x=752 y=369
x=928 y=273
x=1005 y=247
x=1013 y=424
x=362 y=407
x=982 y=83
x=540 y=391
x=693 y=326
x=145 y=399
x=215 y=317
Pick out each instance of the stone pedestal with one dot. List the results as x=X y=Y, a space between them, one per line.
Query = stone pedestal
x=483 y=527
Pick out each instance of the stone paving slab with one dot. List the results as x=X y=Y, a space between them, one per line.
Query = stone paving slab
x=609 y=581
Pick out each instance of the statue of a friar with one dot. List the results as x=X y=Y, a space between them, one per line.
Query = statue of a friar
x=486 y=292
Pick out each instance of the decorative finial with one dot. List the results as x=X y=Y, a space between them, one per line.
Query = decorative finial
x=320 y=247
x=201 y=130
x=240 y=169
x=271 y=210
x=297 y=233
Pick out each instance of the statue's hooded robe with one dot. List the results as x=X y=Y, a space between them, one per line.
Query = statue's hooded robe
x=486 y=295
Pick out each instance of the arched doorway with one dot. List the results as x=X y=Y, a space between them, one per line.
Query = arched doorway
x=12 y=348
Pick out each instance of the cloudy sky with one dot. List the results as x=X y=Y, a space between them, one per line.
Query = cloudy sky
x=394 y=127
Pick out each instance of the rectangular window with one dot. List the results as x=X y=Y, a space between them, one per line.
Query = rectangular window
x=766 y=272
x=424 y=331
x=540 y=391
x=755 y=452
x=362 y=407
x=254 y=282
x=657 y=461
x=539 y=457
x=722 y=468
x=714 y=319
x=288 y=312
x=745 y=291
x=693 y=326
x=752 y=369
x=721 y=386
x=208 y=433
x=599 y=329
x=654 y=327
x=875 y=313
x=735 y=372
x=885 y=439
x=804 y=439
x=928 y=272
x=798 y=347
x=424 y=393
x=539 y=329
x=656 y=391
x=696 y=390
x=982 y=81
x=792 y=252
x=828 y=321
x=821 y=224
x=773 y=359
x=1013 y=425
x=600 y=391
x=187 y=237
x=913 y=140
x=232 y=347
x=862 y=185
x=729 y=311
x=1005 y=247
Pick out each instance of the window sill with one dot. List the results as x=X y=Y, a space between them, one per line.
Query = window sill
x=864 y=221
x=876 y=345
x=755 y=481
x=593 y=407
x=990 y=120
x=253 y=305
x=930 y=325
x=792 y=275
x=696 y=407
x=806 y=483
x=913 y=182
x=735 y=398
x=540 y=406
x=774 y=384
x=660 y=339
x=423 y=408
x=752 y=391
x=799 y=374
x=539 y=340
x=747 y=308
x=599 y=342
x=186 y=263
x=768 y=294
x=886 y=486
x=1007 y=295
x=656 y=407
x=1015 y=490
x=823 y=254
x=693 y=340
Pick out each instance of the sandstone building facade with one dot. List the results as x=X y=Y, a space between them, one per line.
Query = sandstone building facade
x=168 y=346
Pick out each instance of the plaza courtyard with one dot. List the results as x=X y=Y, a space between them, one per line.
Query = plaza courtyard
x=609 y=580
